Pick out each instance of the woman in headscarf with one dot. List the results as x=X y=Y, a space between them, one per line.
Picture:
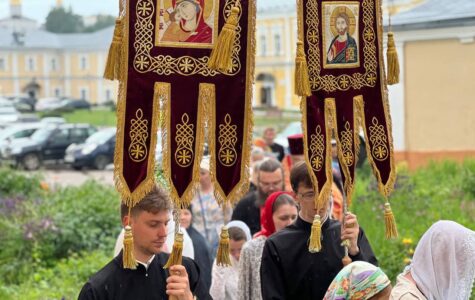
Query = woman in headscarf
x=224 y=282
x=443 y=265
x=279 y=211
x=359 y=281
x=187 y=23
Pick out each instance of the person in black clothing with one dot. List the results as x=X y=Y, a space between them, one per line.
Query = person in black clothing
x=202 y=249
x=277 y=149
x=270 y=179
x=149 y=280
x=288 y=269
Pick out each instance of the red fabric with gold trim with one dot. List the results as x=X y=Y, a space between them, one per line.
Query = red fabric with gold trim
x=167 y=82
x=343 y=47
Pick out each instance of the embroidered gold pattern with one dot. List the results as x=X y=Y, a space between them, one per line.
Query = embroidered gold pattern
x=317 y=147
x=167 y=64
x=138 y=135
x=184 y=139
x=227 y=139
x=331 y=83
x=378 y=139
x=346 y=145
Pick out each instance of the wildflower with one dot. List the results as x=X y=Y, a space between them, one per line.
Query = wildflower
x=411 y=251
x=44 y=186
x=407 y=241
x=407 y=260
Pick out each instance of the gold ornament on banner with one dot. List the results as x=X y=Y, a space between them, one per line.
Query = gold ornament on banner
x=378 y=140
x=184 y=139
x=346 y=144
x=316 y=147
x=227 y=139
x=138 y=136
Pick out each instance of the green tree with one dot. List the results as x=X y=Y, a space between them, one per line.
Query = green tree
x=60 y=20
x=103 y=21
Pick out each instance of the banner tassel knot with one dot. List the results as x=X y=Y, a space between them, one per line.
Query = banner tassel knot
x=222 y=257
x=177 y=250
x=128 y=257
x=221 y=56
x=316 y=236
x=302 y=81
x=393 y=61
x=390 y=222
x=113 y=64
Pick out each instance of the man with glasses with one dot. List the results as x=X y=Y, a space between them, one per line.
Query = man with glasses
x=288 y=269
x=270 y=178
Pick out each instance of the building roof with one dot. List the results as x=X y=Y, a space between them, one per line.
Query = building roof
x=41 y=39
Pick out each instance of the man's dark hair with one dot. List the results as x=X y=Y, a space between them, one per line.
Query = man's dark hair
x=299 y=174
x=270 y=165
x=155 y=201
x=237 y=234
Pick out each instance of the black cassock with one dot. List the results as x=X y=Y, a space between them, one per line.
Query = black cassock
x=115 y=282
x=290 y=271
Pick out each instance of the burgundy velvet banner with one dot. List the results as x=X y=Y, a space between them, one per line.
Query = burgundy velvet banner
x=343 y=46
x=168 y=82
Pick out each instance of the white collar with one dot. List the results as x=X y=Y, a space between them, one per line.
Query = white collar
x=147 y=264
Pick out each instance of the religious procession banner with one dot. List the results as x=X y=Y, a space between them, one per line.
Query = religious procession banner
x=340 y=74
x=167 y=80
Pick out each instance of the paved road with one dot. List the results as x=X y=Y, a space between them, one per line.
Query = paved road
x=64 y=176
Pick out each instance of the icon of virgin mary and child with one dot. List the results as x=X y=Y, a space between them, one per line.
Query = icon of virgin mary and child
x=187 y=23
x=343 y=49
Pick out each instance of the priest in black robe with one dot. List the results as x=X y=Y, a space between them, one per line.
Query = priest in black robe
x=148 y=279
x=288 y=269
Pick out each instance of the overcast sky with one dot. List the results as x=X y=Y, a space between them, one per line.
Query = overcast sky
x=38 y=9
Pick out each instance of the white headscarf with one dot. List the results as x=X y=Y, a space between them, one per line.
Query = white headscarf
x=443 y=265
x=241 y=225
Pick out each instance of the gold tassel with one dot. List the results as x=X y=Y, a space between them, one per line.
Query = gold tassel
x=346 y=260
x=128 y=257
x=316 y=236
x=390 y=222
x=221 y=56
x=393 y=62
x=302 y=81
x=176 y=254
x=222 y=257
x=112 y=70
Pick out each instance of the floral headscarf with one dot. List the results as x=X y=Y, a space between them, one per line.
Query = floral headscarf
x=358 y=280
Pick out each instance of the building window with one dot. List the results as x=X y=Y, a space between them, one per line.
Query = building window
x=57 y=92
x=277 y=44
x=3 y=66
x=83 y=63
x=108 y=95
x=31 y=64
x=84 y=94
x=263 y=45
x=53 y=64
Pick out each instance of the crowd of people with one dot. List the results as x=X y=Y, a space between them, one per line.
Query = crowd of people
x=269 y=230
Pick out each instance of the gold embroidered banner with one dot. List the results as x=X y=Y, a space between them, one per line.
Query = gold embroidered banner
x=346 y=91
x=165 y=80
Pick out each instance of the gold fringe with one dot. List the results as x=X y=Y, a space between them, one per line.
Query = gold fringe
x=315 y=244
x=242 y=187
x=302 y=81
x=221 y=56
x=177 y=250
x=128 y=257
x=222 y=257
x=130 y=198
x=113 y=65
x=393 y=62
x=390 y=222
x=163 y=92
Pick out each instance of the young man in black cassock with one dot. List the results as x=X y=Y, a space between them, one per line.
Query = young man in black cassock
x=288 y=269
x=148 y=220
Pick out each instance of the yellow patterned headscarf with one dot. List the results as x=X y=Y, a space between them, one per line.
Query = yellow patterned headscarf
x=358 y=280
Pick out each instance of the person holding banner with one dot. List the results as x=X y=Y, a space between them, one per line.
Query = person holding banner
x=149 y=280
x=288 y=269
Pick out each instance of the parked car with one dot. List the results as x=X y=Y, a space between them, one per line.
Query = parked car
x=97 y=151
x=45 y=145
x=23 y=103
x=46 y=104
x=18 y=131
x=8 y=112
x=53 y=120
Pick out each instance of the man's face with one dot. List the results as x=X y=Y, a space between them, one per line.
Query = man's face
x=269 y=136
x=270 y=182
x=149 y=231
x=185 y=218
x=235 y=248
x=341 y=25
x=306 y=198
